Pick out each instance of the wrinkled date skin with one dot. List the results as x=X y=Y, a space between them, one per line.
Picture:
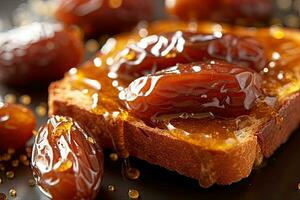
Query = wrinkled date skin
x=66 y=162
x=38 y=53
x=96 y=17
x=157 y=52
x=249 y=11
x=213 y=86
x=16 y=125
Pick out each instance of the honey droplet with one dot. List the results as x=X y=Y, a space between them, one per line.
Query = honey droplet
x=130 y=55
x=15 y=163
x=31 y=182
x=26 y=163
x=171 y=55
x=92 y=45
x=25 y=99
x=6 y=157
x=133 y=194
x=2 y=167
x=10 y=174
x=279 y=119
x=64 y=166
x=277 y=32
x=34 y=132
x=23 y=158
x=63 y=128
x=1 y=181
x=91 y=140
x=11 y=151
x=132 y=173
x=298 y=186
x=10 y=98
x=111 y=188
x=12 y=192
x=113 y=157
x=115 y=3
x=41 y=110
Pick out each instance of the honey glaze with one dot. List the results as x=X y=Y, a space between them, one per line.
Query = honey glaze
x=280 y=78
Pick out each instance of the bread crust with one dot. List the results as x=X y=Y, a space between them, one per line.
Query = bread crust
x=277 y=130
x=209 y=166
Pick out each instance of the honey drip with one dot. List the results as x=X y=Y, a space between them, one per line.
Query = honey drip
x=128 y=171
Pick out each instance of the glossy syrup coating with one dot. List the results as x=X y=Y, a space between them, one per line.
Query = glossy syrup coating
x=38 y=53
x=157 y=52
x=234 y=11
x=213 y=86
x=96 y=17
x=66 y=162
x=280 y=79
x=16 y=125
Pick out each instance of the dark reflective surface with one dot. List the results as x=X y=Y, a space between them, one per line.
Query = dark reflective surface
x=278 y=179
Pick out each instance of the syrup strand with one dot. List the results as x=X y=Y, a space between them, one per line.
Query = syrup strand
x=128 y=171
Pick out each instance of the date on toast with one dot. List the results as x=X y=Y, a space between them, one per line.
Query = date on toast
x=232 y=101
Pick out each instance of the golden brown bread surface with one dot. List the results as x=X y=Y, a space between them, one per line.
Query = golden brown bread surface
x=222 y=164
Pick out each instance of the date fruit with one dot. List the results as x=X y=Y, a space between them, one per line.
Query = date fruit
x=16 y=125
x=213 y=86
x=66 y=162
x=38 y=53
x=233 y=11
x=157 y=52
x=96 y=17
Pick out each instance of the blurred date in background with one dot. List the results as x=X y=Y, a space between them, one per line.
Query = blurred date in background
x=38 y=58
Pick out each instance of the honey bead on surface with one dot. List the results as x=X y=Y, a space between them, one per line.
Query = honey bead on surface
x=111 y=188
x=25 y=99
x=133 y=194
x=12 y=192
x=10 y=174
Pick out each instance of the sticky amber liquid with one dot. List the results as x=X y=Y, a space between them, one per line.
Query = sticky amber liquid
x=281 y=78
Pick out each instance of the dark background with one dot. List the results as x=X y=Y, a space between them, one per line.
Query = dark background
x=278 y=179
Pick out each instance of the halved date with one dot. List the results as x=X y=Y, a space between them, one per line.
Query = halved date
x=157 y=52
x=214 y=86
x=38 y=53
x=66 y=162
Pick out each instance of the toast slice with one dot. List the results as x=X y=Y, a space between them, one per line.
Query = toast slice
x=217 y=151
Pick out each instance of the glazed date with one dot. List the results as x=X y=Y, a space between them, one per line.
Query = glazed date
x=38 y=53
x=96 y=17
x=234 y=11
x=66 y=162
x=213 y=86
x=157 y=52
x=16 y=125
